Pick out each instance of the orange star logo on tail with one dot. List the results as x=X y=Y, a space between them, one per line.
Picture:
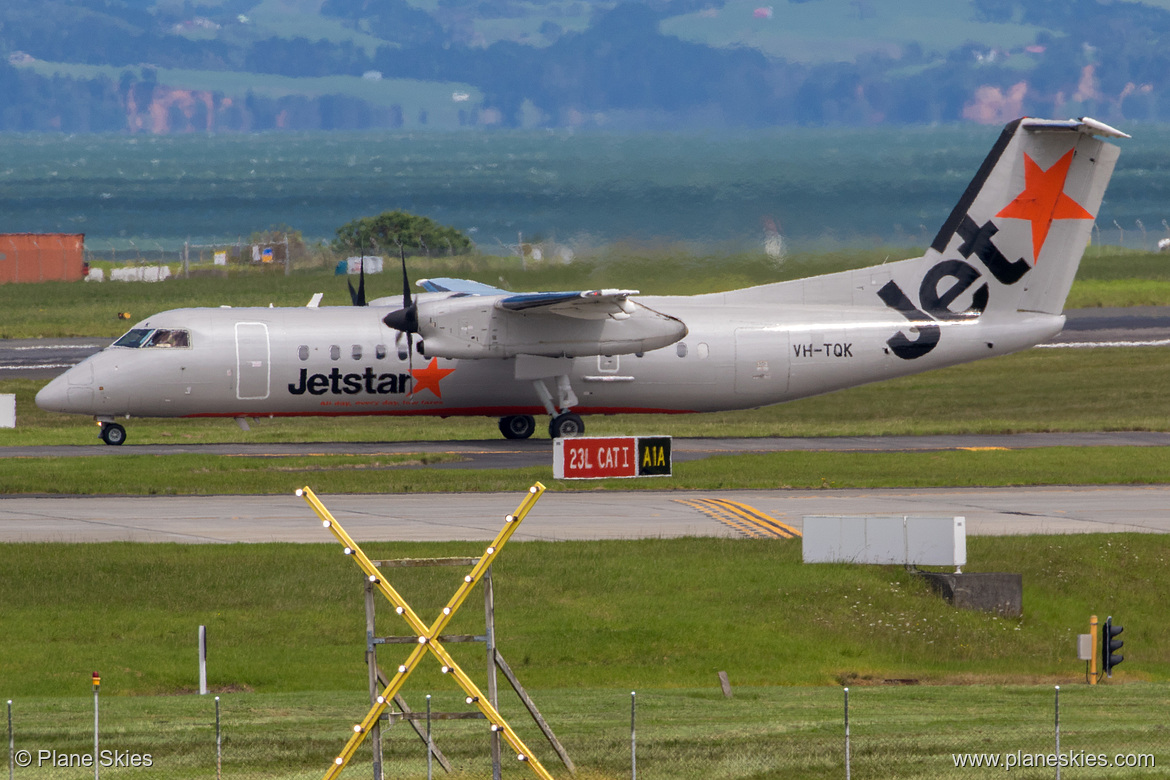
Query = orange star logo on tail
x=428 y=378
x=1043 y=200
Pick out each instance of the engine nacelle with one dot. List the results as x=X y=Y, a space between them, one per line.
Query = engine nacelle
x=473 y=327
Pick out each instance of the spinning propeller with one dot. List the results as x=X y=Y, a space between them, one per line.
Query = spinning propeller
x=358 y=296
x=405 y=320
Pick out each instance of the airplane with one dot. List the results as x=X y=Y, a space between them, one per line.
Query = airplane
x=993 y=281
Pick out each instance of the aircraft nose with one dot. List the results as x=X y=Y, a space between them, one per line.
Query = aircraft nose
x=54 y=397
x=70 y=392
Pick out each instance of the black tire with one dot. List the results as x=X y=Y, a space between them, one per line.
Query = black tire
x=566 y=425
x=517 y=426
x=113 y=434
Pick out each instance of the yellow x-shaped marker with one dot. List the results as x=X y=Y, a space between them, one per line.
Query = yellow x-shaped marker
x=428 y=636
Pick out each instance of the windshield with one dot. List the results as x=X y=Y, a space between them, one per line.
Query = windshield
x=155 y=337
x=134 y=338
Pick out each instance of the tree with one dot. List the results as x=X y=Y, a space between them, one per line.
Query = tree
x=392 y=229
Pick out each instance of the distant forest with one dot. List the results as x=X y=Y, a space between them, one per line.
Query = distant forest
x=1110 y=60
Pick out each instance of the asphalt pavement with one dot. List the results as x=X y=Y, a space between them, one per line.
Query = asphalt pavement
x=562 y=516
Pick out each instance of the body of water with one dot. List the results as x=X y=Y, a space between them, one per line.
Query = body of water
x=715 y=192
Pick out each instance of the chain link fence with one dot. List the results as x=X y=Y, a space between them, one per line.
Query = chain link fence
x=877 y=731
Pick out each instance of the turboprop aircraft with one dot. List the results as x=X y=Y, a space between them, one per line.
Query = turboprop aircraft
x=993 y=281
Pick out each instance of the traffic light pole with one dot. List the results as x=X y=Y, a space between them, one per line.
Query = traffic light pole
x=1093 y=644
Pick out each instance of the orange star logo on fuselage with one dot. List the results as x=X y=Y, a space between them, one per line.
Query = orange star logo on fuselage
x=1043 y=200
x=428 y=378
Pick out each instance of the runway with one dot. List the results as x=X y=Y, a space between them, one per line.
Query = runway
x=560 y=516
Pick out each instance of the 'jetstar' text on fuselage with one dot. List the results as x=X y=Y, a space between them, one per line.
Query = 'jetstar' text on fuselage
x=338 y=383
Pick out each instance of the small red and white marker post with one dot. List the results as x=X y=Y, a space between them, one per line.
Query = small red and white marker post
x=97 y=684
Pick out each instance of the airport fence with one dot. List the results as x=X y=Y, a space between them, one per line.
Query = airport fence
x=871 y=731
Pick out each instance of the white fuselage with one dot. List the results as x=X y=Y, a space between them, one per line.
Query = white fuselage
x=344 y=361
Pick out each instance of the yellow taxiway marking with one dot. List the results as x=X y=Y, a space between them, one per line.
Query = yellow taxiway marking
x=748 y=520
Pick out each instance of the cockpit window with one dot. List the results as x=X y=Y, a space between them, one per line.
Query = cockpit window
x=164 y=337
x=134 y=338
x=155 y=337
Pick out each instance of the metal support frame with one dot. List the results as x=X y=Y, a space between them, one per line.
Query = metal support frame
x=430 y=639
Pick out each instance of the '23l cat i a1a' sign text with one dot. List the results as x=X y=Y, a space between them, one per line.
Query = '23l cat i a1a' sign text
x=602 y=457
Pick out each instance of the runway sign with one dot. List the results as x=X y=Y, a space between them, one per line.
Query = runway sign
x=602 y=457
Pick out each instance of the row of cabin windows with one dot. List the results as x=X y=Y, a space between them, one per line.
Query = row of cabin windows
x=356 y=352
x=701 y=351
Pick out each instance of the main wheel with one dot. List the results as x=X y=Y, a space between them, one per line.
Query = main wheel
x=517 y=426
x=567 y=424
x=113 y=434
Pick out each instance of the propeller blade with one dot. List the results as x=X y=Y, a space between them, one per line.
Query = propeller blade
x=358 y=297
x=406 y=318
x=406 y=301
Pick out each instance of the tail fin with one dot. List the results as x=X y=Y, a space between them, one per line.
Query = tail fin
x=1027 y=216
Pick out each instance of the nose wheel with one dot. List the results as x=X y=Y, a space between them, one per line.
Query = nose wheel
x=112 y=433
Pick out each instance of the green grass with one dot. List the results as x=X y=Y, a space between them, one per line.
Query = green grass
x=583 y=624
x=653 y=613
x=761 y=732
x=123 y=473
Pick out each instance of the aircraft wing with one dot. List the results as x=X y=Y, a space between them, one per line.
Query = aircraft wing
x=466 y=286
x=585 y=305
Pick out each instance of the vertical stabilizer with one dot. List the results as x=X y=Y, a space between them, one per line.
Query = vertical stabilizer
x=1027 y=216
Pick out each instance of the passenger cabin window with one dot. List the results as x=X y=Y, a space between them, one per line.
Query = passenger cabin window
x=380 y=352
x=357 y=352
x=334 y=352
x=303 y=351
x=157 y=338
x=681 y=349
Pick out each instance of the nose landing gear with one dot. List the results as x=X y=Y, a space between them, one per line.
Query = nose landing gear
x=111 y=433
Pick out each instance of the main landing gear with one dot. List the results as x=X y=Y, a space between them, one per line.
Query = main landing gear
x=566 y=424
x=561 y=423
x=112 y=433
x=517 y=426
x=522 y=426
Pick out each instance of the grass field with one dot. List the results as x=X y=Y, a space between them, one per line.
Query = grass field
x=583 y=624
x=762 y=733
x=123 y=473
x=654 y=613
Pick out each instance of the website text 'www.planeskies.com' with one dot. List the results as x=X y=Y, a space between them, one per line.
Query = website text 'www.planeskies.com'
x=1070 y=758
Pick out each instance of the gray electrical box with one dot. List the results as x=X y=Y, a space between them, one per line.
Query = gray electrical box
x=885 y=539
x=1085 y=647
